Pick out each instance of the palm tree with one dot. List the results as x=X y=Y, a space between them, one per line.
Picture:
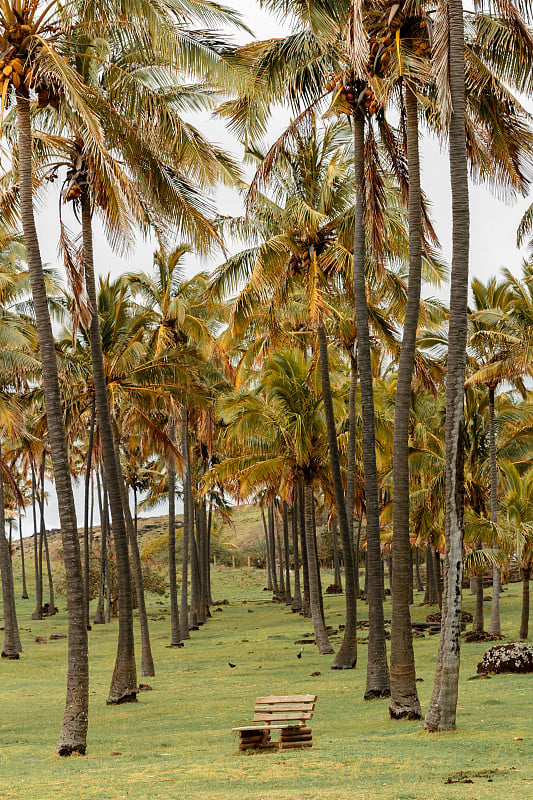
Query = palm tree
x=517 y=505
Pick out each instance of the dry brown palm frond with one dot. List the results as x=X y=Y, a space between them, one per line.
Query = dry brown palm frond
x=299 y=128
x=72 y=253
x=357 y=40
x=441 y=69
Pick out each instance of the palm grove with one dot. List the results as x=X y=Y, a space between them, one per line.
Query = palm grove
x=306 y=373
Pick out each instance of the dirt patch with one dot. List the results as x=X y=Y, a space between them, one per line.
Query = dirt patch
x=467 y=777
x=480 y=636
x=516 y=657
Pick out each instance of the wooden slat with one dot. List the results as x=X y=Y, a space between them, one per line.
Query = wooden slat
x=252 y=728
x=284 y=707
x=275 y=716
x=287 y=698
x=290 y=745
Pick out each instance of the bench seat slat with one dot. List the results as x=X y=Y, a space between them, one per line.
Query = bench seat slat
x=275 y=726
x=284 y=707
x=276 y=717
x=287 y=698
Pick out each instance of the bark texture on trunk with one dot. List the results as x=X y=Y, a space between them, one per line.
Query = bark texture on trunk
x=337 y=579
x=267 y=545
x=524 y=619
x=346 y=657
x=377 y=679
x=124 y=680
x=306 y=611
x=38 y=613
x=288 y=598
x=86 y=513
x=443 y=705
x=404 y=701
x=494 y=625
x=272 y=544
x=23 y=565
x=418 y=577
x=175 y=627
x=12 y=646
x=319 y=626
x=297 y=596
x=99 y=617
x=73 y=736
x=184 y=611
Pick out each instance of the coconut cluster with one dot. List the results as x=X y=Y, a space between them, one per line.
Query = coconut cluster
x=514 y=657
x=353 y=94
x=397 y=24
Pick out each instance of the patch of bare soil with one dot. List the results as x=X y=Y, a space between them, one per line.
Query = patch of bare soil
x=467 y=777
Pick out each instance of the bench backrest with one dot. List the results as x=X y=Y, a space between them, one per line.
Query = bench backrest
x=294 y=709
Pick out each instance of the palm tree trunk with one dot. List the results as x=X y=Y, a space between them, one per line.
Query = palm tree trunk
x=91 y=524
x=281 y=567
x=351 y=466
x=99 y=617
x=418 y=577
x=272 y=543
x=346 y=657
x=86 y=512
x=357 y=556
x=443 y=705
x=319 y=626
x=147 y=661
x=494 y=625
x=175 y=627
x=208 y=557
x=377 y=676
x=267 y=545
x=437 y=576
x=306 y=610
x=194 y=620
x=74 y=732
x=288 y=598
x=37 y=551
x=51 y=597
x=24 y=588
x=478 y=624
x=404 y=701
x=337 y=580
x=297 y=596
x=184 y=611
x=524 y=620
x=12 y=647
x=124 y=681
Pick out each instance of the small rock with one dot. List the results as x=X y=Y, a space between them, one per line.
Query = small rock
x=58 y=635
x=40 y=640
x=517 y=739
x=315 y=674
x=420 y=680
x=145 y=687
x=115 y=753
x=250 y=611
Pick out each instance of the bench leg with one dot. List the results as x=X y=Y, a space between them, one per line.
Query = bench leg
x=258 y=740
x=290 y=738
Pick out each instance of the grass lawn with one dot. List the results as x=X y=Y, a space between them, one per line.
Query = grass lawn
x=176 y=742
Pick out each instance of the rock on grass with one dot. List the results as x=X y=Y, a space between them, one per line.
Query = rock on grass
x=514 y=657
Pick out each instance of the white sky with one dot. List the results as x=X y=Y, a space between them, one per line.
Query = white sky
x=493 y=223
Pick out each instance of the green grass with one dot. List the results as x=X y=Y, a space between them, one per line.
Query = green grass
x=176 y=742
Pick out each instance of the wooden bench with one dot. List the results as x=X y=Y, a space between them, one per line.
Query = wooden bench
x=290 y=714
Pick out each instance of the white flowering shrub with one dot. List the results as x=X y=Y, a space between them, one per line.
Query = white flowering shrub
x=514 y=657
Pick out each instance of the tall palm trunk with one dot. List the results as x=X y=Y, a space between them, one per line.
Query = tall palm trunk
x=494 y=625
x=51 y=596
x=306 y=610
x=24 y=588
x=351 y=465
x=175 y=627
x=99 y=617
x=86 y=511
x=267 y=545
x=38 y=613
x=272 y=544
x=281 y=566
x=346 y=657
x=418 y=577
x=404 y=701
x=74 y=732
x=297 y=596
x=184 y=611
x=377 y=676
x=442 y=708
x=524 y=619
x=288 y=598
x=337 y=580
x=12 y=647
x=124 y=681
x=147 y=661
x=319 y=626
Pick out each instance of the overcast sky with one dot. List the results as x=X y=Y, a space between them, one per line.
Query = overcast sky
x=493 y=223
